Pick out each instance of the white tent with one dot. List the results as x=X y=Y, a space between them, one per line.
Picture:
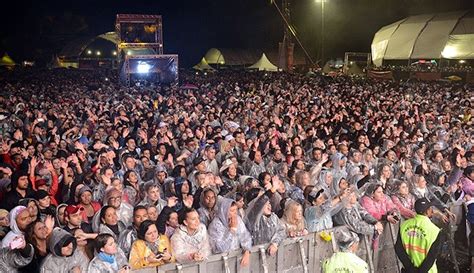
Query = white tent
x=264 y=64
x=428 y=36
x=203 y=65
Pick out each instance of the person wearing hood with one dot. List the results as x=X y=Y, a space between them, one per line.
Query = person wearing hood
x=4 y=223
x=19 y=189
x=190 y=241
x=109 y=258
x=109 y=222
x=153 y=196
x=356 y=218
x=264 y=225
x=60 y=215
x=339 y=162
x=128 y=236
x=227 y=232
x=19 y=220
x=345 y=260
x=339 y=185
x=15 y=257
x=325 y=180
x=63 y=257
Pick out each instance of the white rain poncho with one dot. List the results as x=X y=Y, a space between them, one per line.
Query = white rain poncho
x=222 y=239
x=264 y=229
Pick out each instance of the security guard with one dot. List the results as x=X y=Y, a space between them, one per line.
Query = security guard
x=345 y=260
x=418 y=243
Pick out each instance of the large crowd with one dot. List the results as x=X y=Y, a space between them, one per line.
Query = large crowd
x=96 y=177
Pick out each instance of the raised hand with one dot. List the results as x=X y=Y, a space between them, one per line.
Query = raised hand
x=105 y=179
x=172 y=201
x=188 y=201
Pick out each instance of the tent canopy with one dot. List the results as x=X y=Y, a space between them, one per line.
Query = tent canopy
x=264 y=64
x=203 y=65
x=428 y=36
x=248 y=56
x=6 y=60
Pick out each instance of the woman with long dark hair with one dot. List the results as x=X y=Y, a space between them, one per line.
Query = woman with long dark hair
x=152 y=249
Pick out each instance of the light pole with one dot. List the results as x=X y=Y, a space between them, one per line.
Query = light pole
x=322 y=30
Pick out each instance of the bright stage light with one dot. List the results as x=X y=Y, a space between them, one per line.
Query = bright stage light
x=114 y=53
x=89 y=52
x=462 y=61
x=143 y=67
x=98 y=53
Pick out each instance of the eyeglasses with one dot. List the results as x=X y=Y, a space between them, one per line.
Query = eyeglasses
x=115 y=198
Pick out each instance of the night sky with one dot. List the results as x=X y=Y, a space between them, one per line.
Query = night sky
x=38 y=29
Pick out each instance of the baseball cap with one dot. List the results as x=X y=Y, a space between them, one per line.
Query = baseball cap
x=40 y=194
x=198 y=160
x=41 y=182
x=72 y=209
x=314 y=194
x=422 y=205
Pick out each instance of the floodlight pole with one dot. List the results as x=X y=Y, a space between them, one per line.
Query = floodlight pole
x=288 y=25
x=322 y=31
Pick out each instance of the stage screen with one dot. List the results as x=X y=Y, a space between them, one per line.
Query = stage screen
x=139 y=32
x=161 y=69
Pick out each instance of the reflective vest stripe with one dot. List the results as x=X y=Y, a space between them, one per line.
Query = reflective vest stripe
x=415 y=248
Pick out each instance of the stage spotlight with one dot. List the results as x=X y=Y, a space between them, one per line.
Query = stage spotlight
x=98 y=53
x=114 y=53
x=143 y=67
x=89 y=52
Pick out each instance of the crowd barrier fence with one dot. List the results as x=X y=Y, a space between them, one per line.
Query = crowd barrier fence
x=304 y=254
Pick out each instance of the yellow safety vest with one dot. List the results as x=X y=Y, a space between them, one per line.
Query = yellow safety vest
x=345 y=262
x=418 y=234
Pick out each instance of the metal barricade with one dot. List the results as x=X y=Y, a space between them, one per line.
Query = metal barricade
x=295 y=255
x=384 y=258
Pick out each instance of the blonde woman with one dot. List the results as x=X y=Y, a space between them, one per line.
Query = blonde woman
x=293 y=219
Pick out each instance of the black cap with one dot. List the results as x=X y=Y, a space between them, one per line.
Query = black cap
x=422 y=205
x=40 y=194
x=314 y=194
x=198 y=160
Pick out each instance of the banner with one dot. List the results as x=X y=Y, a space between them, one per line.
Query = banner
x=427 y=76
x=380 y=75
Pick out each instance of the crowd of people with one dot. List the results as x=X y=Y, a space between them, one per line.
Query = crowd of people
x=96 y=177
x=428 y=67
